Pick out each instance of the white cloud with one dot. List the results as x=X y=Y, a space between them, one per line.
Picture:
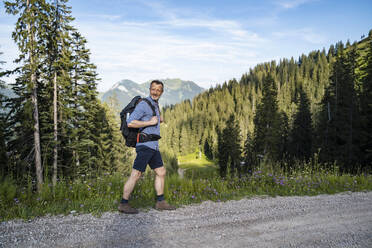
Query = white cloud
x=145 y=50
x=290 y=4
x=106 y=17
x=305 y=34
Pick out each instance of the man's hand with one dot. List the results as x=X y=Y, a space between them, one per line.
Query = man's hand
x=153 y=120
x=161 y=119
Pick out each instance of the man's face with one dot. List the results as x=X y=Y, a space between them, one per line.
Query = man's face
x=155 y=91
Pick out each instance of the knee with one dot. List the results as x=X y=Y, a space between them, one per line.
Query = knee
x=135 y=175
x=161 y=172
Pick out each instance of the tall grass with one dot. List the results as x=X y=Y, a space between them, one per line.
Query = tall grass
x=103 y=193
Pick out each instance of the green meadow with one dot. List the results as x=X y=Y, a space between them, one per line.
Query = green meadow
x=197 y=165
x=201 y=182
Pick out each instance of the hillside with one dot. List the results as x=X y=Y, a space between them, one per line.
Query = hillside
x=194 y=125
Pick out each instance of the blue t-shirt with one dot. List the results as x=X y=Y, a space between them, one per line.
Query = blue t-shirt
x=143 y=112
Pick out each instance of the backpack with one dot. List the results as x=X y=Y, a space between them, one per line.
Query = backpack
x=130 y=134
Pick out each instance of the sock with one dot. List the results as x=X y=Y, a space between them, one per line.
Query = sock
x=160 y=197
x=123 y=200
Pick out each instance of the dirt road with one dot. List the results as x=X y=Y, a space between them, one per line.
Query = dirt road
x=342 y=220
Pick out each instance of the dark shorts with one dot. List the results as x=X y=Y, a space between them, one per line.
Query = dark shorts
x=147 y=156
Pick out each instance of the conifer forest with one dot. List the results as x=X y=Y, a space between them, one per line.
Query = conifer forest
x=55 y=128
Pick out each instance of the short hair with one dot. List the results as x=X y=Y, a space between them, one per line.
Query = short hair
x=157 y=82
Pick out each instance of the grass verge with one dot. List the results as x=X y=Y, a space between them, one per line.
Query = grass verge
x=103 y=193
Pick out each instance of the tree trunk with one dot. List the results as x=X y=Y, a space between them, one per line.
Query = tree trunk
x=55 y=121
x=76 y=153
x=39 y=169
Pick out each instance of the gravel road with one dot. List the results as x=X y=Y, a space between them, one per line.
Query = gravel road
x=341 y=220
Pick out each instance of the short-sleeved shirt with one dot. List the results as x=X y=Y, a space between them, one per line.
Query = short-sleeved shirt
x=143 y=112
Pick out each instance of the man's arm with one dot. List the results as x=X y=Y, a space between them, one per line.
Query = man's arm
x=139 y=124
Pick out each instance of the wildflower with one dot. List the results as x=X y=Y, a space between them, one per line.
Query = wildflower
x=81 y=205
x=193 y=197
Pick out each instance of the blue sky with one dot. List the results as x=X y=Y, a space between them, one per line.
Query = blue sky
x=205 y=41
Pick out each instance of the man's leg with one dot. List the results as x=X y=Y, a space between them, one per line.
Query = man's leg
x=144 y=154
x=161 y=204
x=127 y=190
x=131 y=182
x=159 y=180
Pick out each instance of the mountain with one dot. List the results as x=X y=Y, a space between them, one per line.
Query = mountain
x=7 y=91
x=175 y=91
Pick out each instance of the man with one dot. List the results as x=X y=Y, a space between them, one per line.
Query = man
x=148 y=151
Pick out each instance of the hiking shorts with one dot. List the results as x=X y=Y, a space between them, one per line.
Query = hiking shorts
x=147 y=156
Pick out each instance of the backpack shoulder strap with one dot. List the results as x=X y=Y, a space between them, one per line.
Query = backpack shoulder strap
x=151 y=106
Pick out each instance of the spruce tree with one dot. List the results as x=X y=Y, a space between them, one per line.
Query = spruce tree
x=301 y=133
x=222 y=153
x=366 y=105
x=208 y=149
x=267 y=122
x=29 y=35
x=229 y=147
x=58 y=36
x=339 y=120
x=82 y=132
x=249 y=156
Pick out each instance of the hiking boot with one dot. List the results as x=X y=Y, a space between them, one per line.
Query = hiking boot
x=163 y=205
x=127 y=209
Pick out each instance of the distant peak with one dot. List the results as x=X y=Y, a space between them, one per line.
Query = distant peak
x=124 y=82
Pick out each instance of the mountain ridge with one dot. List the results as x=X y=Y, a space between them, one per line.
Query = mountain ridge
x=175 y=90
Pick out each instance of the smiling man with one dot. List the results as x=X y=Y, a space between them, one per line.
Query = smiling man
x=147 y=149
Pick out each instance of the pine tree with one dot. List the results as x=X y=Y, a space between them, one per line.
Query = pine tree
x=58 y=39
x=222 y=153
x=249 y=156
x=340 y=115
x=83 y=131
x=366 y=105
x=229 y=149
x=29 y=35
x=267 y=122
x=301 y=133
x=208 y=149
x=283 y=137
x=184 y=140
